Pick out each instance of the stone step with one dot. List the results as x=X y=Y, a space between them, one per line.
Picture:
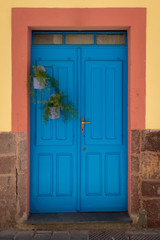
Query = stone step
x=79 y=221
x=96 y=226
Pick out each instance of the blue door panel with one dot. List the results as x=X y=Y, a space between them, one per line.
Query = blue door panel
x=73 y=170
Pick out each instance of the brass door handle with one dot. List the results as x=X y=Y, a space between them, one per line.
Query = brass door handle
x=82 y=124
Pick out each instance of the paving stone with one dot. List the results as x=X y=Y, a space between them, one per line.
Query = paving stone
x=60 y=236
x=78 y=236
x=7 y=234
x=42 y=236
x=24 y=235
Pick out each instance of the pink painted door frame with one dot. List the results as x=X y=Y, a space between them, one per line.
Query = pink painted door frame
x=26 y=19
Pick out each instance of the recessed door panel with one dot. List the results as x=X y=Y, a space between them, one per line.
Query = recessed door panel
x=112 y=182
x=45 y=175
x=93 y=168
x=64 y=170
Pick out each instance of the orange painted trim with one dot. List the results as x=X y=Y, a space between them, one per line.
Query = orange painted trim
x=26 y=19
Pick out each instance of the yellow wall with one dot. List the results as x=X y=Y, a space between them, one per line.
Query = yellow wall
x=152 y=61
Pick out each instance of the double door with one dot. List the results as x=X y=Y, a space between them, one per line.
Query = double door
x=75 y=166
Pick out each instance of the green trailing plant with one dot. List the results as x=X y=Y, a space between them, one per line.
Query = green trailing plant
x=54 y=83
x=69 y=111
x=40 y=73
x=67 y=108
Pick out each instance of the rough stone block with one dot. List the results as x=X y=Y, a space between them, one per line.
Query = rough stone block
x=7 y=143
x=135 y=141
x=8 y=187
x=135 y=164
x=7 y=164
x=3 y=206
x=22 y=193
x=7 y=213
x=153 y=214
x=151 y=189
x=150 y=166
x=22 y=156
x=151 y=140
x=135 y=199
x=22 y=135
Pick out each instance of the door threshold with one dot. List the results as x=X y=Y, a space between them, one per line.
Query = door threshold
x=79 y=217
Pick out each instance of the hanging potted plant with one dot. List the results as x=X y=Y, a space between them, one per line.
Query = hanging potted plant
x=38 y=80
x=39 y=77
x=54 y=107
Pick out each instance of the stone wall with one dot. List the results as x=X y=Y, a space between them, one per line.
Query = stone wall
x=13 y=165
x=145 y=178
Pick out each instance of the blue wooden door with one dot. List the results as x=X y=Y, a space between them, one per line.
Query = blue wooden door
x=73 y=170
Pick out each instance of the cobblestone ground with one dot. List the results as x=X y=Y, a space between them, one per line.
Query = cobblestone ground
x=81 y=235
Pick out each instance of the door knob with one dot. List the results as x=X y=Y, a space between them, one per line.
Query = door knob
x=82 y=124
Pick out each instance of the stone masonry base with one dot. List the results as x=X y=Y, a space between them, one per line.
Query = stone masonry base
x=145 y=179
x=13 y=178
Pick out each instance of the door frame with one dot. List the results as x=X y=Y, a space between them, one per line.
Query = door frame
x=26 y=19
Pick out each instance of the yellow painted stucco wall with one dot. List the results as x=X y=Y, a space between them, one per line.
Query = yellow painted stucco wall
x=152 y=50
